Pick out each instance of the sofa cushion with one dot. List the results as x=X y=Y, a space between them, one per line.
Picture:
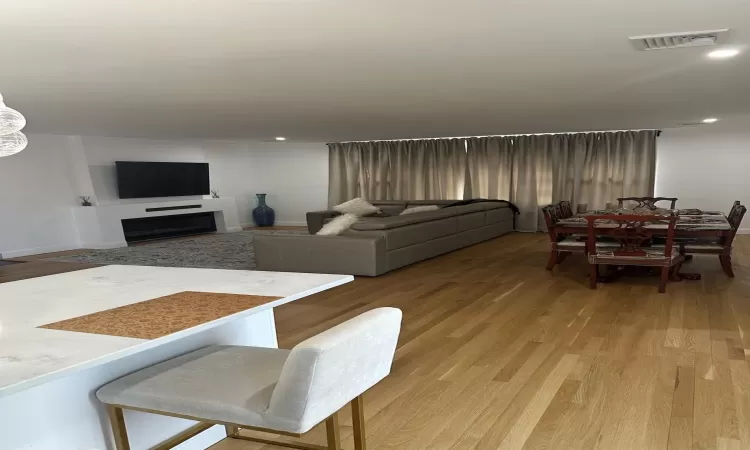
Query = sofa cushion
x=470 y=221
x=316 y=220
x=418 y=209
x=498 y=215
x=411 y=203
x=421 y=251
x=354 y=255
x=475 y=207
x=428 y=249
x=379 y=203
x=357 y=206
x=387 y=223
x=400 y=237
x=392 y=210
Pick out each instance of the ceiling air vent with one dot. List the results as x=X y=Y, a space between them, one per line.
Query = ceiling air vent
x=680 y=40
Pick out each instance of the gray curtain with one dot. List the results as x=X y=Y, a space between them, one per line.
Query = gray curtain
x=426 y=169
x=530 y=171
x=584 y=168
x=621 y=164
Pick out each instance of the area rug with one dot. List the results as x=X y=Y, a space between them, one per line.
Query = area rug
x=214 y=251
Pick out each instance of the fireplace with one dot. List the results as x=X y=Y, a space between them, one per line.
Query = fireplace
x=144 y=228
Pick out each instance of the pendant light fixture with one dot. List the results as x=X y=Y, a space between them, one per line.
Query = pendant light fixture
x=12 y=143
x=12 y=140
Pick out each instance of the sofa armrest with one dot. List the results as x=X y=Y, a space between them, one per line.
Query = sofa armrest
x=316 y=219
x=348 y=255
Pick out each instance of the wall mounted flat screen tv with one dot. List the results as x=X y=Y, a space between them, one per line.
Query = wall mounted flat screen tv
x=137 y=179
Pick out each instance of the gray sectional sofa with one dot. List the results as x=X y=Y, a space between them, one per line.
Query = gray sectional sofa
x=375 y=245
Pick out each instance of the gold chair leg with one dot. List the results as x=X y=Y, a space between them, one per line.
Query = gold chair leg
x=231 y=430
x=358 y=420
x=333 y=433
x=117 y=420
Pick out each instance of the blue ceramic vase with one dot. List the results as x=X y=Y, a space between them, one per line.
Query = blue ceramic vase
x=263 y=215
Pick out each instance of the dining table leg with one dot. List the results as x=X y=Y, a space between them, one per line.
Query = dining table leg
x=594 y=276
x=552 y=260
x=726 y=264
x=664 y=278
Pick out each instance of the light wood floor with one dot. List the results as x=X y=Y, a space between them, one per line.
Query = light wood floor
x=34 y=266
x=496 y=353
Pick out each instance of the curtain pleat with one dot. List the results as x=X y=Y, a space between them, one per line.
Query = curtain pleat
x=428 y=169
x=490 y=167
x=619 y=164
x=584 y=168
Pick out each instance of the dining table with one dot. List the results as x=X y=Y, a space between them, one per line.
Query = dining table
x=691 y=223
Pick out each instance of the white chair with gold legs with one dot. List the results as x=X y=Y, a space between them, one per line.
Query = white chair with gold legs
x=284 y=392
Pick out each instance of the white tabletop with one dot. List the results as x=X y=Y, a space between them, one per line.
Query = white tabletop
x=30 y=355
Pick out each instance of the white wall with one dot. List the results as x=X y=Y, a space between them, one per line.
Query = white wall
x=705 y=166
x=294 y=175
x=39 y=185
x=102 y=152
x=37 y=189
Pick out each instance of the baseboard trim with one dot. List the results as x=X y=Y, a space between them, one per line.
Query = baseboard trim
x=743 y=231
x=61 y=248
x=37 y=251
x=281 y=224
x=291 y=224
x=105 y=245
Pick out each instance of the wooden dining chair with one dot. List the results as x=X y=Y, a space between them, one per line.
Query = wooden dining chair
x=722 y=246
x=552 y=214
x=647 y=202
x=562 y=245
x=734 y=206
x=633 y=245
x=566 y=209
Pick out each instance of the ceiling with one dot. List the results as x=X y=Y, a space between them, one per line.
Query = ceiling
x=329 y=70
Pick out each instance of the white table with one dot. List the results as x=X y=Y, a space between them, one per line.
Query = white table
x=48 y=377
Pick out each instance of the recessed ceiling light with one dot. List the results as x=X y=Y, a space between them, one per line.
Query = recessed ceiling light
x=281 y=138
x=710 y=120
x=724 y=54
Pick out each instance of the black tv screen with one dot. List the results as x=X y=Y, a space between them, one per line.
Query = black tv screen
x=137 y=179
